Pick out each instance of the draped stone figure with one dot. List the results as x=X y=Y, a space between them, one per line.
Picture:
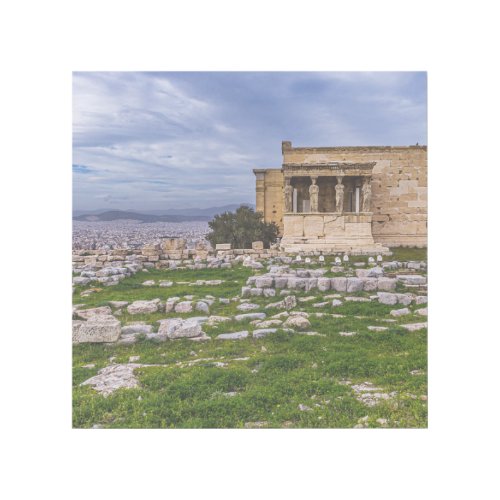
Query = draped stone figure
x=288 y=196
x=313 y=195
x=367 y=196
x=339 y=195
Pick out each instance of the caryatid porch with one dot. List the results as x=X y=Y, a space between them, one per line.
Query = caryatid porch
x=328 y=207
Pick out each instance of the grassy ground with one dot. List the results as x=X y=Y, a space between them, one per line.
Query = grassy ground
x=267 y=378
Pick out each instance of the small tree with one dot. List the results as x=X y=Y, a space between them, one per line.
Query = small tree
x=241 y=228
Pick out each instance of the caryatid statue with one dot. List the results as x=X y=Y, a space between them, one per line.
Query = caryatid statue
x=367 y=195
x=288 y=196
x=313 y=195
x=339 y=196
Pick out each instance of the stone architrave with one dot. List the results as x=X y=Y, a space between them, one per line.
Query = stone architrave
x=367 y=196
x=339 y=195
x=288 y=193
x=313 y=195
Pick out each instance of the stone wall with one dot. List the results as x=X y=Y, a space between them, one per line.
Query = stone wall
x=399 y=188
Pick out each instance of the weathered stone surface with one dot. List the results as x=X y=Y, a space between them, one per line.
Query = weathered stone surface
x=377 y=328
x=118 y=303
x=247 y=306
x=176 y=328
x=257 y=245
x=336 y=303
x=170 y=304
x=136 y=329
x=280 y=282
x=249 y=316
x=297 y=323
x=413 y=327
x=386 y=284
x=114 y=377
x=149 y=283
x=354 y=285
x=412 y=279
x=264 y=282
x=268 y=323
x=256 y=292
x=143 y=306
x=422 y=312
x=246 y=291
x=421 y=299
x=269 y=292
x=202 y=307
x=339 y=284
x=214 y=320
x=263 y=332
x=404 y=299
x=297 y=283
x=324 y=284
x=98 y=329
x=233 y=336
x=165 y=283
x=389 y=299
x=400 y=312
x=370 y=284
x=186 y=306
x=96 y=311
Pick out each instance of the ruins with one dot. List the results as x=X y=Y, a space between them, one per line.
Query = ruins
x=346 y=199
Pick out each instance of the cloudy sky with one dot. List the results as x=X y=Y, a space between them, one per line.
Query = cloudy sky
x=151 y=141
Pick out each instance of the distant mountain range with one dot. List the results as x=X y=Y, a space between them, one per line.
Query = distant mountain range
x=172 y=215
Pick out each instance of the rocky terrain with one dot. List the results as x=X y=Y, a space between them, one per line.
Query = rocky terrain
x=170 y=336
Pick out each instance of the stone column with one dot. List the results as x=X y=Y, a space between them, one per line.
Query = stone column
x=313 y=195
x=288 y=193
x=339 y=195
x=367 y=195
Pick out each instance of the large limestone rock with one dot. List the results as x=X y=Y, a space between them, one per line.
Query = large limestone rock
x=324 y=284
x=176 y=328
x=386 y=284
x=143 y=306
x=339 y=284
x=389 y=299
x=354 y=285
x=186 y=306
x=297 y=323
x=97 y=329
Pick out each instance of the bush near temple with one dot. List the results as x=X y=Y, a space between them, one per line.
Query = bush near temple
x=241 y=228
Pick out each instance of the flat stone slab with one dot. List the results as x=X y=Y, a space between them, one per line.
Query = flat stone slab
x=114 y=377
x=400 y=312
x=413 y=327
x=233 y=336
x=263 y=332
x=249 y=316
x=247 y=307
x=377 y=328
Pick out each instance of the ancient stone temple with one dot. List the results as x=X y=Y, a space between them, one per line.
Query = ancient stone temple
x=357 y=199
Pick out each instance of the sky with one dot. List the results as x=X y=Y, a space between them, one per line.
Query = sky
x=162 y=140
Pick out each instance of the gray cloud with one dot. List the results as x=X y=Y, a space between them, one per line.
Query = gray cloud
x=161 y=140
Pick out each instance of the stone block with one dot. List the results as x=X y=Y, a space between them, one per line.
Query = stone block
x=354 y=285
x=264 y=281
x=339 y=284
x=223 y=246
x=324 y=284
x=257 y=245
x=386 y=284
x=98 y=329
x=370 y=284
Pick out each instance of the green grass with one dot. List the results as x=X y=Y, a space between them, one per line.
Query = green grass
x=282 y=371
